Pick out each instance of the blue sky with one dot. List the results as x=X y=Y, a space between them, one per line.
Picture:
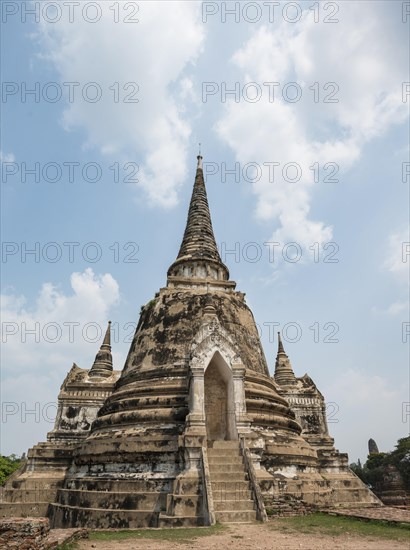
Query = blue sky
x=168 y=60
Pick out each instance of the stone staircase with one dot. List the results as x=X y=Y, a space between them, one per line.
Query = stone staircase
x=107 y=503
x=29 y=490
x=231 y=491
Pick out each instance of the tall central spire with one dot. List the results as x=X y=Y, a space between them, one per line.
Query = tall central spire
x=198 y=257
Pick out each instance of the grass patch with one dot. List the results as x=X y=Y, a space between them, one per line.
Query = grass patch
x=68 y=546
x=325 y=524
x=180 y=534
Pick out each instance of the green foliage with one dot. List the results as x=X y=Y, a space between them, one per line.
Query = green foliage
x=375 y=461
x=148 y=306
x=400 y=458
x=8 y=465
x=373 y=471
x=357 y=468
x=320 y=523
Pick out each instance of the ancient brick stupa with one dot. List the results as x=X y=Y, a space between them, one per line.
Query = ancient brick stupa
x=194 y=429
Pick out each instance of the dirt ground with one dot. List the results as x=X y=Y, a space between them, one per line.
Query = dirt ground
x=255 y=537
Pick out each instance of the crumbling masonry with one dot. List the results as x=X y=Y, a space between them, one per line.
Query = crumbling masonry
x=194 y=429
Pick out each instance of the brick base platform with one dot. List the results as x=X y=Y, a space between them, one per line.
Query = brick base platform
x=58 y=537
x=384 y=513
x=34 y=534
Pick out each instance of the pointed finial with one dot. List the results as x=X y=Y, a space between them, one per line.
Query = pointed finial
x=198 y=254
x=199 y=157
x=284 y=374
x=102 y=366
x=107 y=337
x=281 y=349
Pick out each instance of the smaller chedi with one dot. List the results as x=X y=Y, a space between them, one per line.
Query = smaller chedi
x=309 y=407
x=194 y=429
x=373 y=448
x=382 y=472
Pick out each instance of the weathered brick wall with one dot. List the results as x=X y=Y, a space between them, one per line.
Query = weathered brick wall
x=286 y=505
x=24 y=533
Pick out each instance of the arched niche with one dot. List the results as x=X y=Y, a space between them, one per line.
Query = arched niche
x=219 y=400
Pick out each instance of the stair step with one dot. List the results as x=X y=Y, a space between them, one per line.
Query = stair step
x=112 y=484
x=23 y=509
x=229 y=486
x=28 y=495
x=241 y=494
x=228 y=476
x=236 y=517
x=102 y=518
x=35 y=483
x=223 y=445
x=229 y=468
x=221 y=453
x=165 y=521
x=127 y=500
x=223 y=459
x=229 y=483
x=237 y=505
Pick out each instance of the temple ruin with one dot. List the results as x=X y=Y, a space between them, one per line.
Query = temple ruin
x=194 y=429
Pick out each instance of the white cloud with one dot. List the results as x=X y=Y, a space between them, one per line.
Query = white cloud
x=398 y=307
x=39 y=338
x=398 y=255
x=369 y=78
x=35 y=362
x=356 y=388
x=397 y=262
x=393 y=309
x=6 y=157
x=154 y=53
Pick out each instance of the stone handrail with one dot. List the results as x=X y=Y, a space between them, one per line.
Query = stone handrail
x=209 y=501
x=260 y=506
